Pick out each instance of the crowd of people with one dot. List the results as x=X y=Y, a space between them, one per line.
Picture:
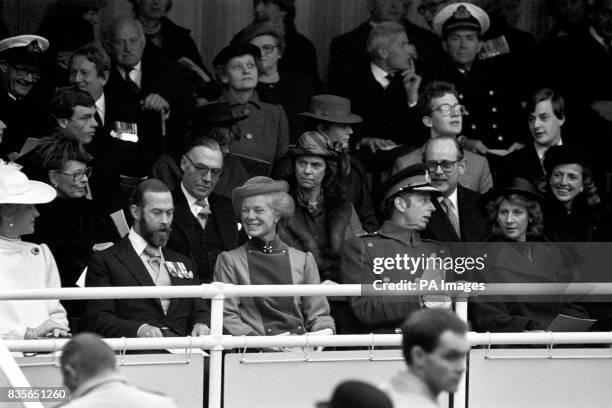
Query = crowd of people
x=258 y=172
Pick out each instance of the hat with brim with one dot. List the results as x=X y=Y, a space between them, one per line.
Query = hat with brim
x=557 y=155
x=518 y=186
x=411 y=179
x=24 y=49
x=331 y=108
x=356 y=394
x=262 y=28
x=255 y=186
x=313 y=143
x=16 y=188
x=236 y=50
x=214 y=114
x=461 y=16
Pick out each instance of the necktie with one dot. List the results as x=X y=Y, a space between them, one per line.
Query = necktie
x=450 y=214
x=98 y=119
x=395 y=82
x=130 y=82
x=203 y=213
x=161 y=274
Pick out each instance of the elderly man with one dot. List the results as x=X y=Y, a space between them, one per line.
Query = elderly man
x=377 y=257
x=348 y=50
x=443 y=116
x=457 y=217
x=204 y=221
x=141 y=259
x=150 y=100
x=386 y=97
x=90 y=373
x=435 y=348
x=21 y=59
x=492 y=128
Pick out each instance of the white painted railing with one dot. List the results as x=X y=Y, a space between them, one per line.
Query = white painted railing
x=216 y=342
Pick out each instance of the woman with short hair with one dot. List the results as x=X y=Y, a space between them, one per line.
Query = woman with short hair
x=26 y=265
x=266 y=260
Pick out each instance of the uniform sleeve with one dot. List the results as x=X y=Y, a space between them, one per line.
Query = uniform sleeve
x=226 y=272
x=315 y=308
x=55 y=308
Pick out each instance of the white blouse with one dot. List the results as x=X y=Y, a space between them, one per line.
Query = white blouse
x=24 y=265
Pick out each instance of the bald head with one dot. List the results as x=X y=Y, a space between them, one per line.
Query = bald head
x=126 y=42
x=84 y=357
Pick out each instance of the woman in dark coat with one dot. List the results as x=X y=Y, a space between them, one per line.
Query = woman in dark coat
x=518 y=252
x=71 y=225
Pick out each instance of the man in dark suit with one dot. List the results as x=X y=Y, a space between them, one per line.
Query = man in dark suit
x=204 y=222
x=385 y=96
x=146 y=90
x=348 y=50
x=140 y=259
x=457 y=218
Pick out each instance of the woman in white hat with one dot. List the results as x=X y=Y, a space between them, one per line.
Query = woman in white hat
x=26 y=265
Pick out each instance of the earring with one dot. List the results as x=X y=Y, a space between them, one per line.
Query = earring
x=11 y=225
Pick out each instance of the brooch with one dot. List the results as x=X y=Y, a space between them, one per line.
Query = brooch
x=35 y=251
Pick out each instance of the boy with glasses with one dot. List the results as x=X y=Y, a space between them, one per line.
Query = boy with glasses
x=443 y=115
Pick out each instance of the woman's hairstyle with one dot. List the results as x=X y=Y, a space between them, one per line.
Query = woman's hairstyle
x=535 y=224
x=57 y=150
x=282 y=204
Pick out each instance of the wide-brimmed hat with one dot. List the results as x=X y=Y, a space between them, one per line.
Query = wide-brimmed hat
x=26 y=49
x=357 y=394
x=564 y=154
x=518 y=185
x=262 y=28
x=214 y=114
x=313 y=143
x=331 y=108
x=236 y=50
x=16 y=188
x=461 y=16
x=259 y=185
x=411 y=179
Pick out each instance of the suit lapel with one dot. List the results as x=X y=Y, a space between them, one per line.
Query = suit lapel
x=134 y=265
x=440 y=226
x=222 y=216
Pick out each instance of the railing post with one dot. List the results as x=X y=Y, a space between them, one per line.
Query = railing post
x=13 y=373
x=215 y=372
x=461 y=309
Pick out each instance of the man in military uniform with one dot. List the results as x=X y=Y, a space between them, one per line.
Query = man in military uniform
x=386 y=255
x=493 y=126
x=21 y=58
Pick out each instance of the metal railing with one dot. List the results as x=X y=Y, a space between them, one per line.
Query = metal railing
x=216 y=342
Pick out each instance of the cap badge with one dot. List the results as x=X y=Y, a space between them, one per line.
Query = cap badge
x=462 y=13
x=34 y=48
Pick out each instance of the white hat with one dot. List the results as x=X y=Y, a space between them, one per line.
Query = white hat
x=16 y=188
x=27 y=49
x=460 y=15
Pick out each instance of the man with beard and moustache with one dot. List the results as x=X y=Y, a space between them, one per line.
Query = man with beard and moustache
x=21 y=59
x=140 y=259
x=204 y=221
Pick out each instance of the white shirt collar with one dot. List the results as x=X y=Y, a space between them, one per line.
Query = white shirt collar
x=101 y=106
x=541 y=150
x=598 y=38
x=191 y=201
x=137 y=241
x=137 y=72
x=380 y=75
x=453 y=199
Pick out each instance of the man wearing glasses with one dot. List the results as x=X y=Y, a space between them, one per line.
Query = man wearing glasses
x=443 y=116
x=204 y=221
x=20 y=60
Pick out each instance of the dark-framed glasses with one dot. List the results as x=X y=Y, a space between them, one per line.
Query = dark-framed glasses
x=78 y=175
x=204 y=170
x=267 y=48
x=446 y=109
x=446 y=165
